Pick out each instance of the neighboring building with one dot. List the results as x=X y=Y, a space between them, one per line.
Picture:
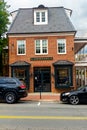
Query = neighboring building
x=5 y=65
x=81 y=60
x=41 y=49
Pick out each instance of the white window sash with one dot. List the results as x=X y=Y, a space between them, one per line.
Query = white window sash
x=19 y=42
x=41 y=48
x=62 y=41
x=40 y=17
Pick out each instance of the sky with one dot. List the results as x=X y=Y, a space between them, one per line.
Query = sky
x=78 y=7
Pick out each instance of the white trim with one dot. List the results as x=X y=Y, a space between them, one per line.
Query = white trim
x=81 y=64
x=38 y=35
x=40 y=12
x=64 y=40
x=80 y=41
x=25 y=47
x=41 y=47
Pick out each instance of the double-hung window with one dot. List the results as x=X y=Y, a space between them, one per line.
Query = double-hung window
x=21 y=47
x=41 y=46
x=40 y=17
x=61 y=46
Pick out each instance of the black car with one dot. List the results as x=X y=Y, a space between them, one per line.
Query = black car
x=12 y=89
x=76 y=96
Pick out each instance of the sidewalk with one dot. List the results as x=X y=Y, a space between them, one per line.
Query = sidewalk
x=42 y=97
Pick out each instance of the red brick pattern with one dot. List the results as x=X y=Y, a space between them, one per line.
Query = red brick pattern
x=52 y=52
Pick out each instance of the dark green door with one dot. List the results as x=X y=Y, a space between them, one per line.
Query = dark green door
x=42 y=79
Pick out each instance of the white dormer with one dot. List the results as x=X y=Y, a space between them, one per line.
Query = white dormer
x=40 y=15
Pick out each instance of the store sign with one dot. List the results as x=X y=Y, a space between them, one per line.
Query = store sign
x=41 y=58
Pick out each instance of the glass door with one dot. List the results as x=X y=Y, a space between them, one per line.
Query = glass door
x=42 y=79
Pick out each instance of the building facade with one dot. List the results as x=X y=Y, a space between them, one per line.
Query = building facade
x=41 y=49
x=81 y=61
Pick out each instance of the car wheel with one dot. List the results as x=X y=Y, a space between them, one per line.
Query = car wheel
x=74 y=100
x=10 y=97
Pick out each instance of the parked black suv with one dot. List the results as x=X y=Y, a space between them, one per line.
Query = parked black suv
x=12 y=89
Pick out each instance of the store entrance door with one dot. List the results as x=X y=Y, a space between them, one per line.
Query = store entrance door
x=42 y=79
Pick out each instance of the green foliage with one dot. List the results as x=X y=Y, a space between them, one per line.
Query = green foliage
x=4 y=21
x=3 y=43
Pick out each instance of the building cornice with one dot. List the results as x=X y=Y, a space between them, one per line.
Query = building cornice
x=39 y=35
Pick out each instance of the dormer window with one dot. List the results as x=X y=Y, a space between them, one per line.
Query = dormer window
x=40 y=16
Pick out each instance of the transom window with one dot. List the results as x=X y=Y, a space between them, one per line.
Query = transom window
x=41 y=46
x=21 y=47
x=40 y=17
x=61 y=46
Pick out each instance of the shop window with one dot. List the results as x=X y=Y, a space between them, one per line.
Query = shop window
x=63 y=76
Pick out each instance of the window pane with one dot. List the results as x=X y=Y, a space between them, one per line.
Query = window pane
x=63 y=76
x=44 y=46
x=37 y=46
x=41 y=47
x=21 y=47
x=40 y=17
x=61 y=46
x=43 y=16
x=37 y=16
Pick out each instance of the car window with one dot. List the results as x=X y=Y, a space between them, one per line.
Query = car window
x=85 y=88
x=80 y=88
x=10 y=81
x=2 y=81
x=18 y=81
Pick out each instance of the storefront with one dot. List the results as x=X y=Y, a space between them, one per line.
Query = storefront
x=63 y=74
x=20 y=70
x=41 y=78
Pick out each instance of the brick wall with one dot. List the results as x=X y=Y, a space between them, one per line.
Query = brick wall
x=52 y=52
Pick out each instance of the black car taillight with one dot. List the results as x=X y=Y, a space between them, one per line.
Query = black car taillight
x=22 y=86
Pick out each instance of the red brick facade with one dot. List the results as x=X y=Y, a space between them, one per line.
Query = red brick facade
x=52 y=52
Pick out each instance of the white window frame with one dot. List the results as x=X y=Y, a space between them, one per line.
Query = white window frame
x=19 y=42
x=40 y=13
x=62 y=41
x=41 y=47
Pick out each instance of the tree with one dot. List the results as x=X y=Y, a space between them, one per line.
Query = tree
x=4 y=21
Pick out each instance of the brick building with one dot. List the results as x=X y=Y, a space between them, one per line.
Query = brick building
x=41 y=49
x=81 y=60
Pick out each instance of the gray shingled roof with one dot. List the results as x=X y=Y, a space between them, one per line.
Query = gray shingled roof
x=58 y=21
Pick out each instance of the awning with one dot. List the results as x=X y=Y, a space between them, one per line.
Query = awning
x=62 y=62
x=20 y=63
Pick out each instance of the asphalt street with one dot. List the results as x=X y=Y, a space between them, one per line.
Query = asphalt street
x=43 y=116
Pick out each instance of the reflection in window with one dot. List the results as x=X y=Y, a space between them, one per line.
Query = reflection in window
x=41 y=46
x=61 y=46
x=19 y=73
x=21 y=47
x=63 y=76
x=81 y=54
